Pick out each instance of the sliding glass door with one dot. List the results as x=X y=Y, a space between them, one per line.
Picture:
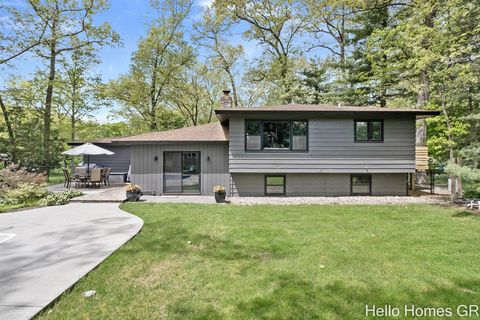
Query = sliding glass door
x=181 y=172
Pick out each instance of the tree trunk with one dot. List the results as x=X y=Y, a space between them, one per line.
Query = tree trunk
x=47 y=114
x=11 y=135
x=72 y=128
x=286 y=85
x=234 y=88
x=152 y=122
x=455 y=184
x=73 y=113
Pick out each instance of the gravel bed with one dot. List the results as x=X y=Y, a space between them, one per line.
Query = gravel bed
x=337 y=200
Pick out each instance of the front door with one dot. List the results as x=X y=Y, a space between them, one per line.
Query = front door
x=181 y=172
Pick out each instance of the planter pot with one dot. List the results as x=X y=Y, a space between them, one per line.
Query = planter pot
x=133 y=196
x=220 y=197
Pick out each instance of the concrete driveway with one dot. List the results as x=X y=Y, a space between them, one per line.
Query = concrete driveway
x=44 y=251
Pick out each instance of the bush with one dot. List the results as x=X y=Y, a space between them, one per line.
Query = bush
x=74 y=193
x=13 y=176
x=55 y=199
x=471 y=190
x=58 y=199
x=25 y=192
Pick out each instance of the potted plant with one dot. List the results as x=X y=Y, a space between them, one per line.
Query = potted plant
x=220 y=194
x=133 y=192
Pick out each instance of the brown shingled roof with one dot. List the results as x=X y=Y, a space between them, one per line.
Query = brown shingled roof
x=206 y=132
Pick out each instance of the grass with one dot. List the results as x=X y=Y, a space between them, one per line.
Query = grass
x=55 y=177
x=282 y=262
x=11 y=207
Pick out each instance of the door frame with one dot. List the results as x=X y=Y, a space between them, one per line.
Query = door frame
x=181 y=165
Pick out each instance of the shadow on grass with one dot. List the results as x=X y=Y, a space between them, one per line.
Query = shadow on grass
x=293 y=297
x=467 y=213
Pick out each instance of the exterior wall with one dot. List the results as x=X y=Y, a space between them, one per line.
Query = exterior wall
x=119 y=162
x=389 y=184
x=331 y=149
x=148 y=173
x=329 y=184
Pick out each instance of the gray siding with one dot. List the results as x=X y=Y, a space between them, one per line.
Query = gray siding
x=148 y=173
x=329 y=184
x=389 y=184
x=331 y=150
x=119 y=162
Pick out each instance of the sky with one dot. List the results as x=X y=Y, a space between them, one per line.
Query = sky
x=130 y=19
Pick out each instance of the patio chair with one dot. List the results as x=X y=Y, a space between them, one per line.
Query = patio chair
x=81 y=176
x=67 y=179
x=106 y=176
x=96 y=177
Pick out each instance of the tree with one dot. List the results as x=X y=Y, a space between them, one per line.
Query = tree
x=12 y=47
x=211 y=33
x=199 y=96
x=328 y=22
x=26 y=116
x=364 y=87
x=277 y=25
x=78 y=88
x=69 y=27
x=156 y=67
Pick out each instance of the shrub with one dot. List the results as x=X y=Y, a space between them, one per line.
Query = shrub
x=25 y=192
x=73 y=194
x=471 y=190
x=55 y=199
x=61 y=198
x=13 y=176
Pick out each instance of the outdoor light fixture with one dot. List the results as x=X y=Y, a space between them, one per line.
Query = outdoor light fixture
x=155 y=158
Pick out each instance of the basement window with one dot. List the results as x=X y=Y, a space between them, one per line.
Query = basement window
x=275 y=185
x=361 y=184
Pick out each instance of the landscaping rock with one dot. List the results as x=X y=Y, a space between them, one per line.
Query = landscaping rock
x=89 y=293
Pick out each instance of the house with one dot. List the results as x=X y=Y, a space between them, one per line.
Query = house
x=291 y=150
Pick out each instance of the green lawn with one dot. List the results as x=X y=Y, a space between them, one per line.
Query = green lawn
x=282 y=262
x=55 y=176
x=10 y=207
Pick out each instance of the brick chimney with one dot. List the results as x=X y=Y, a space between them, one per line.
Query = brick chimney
x=226 y=100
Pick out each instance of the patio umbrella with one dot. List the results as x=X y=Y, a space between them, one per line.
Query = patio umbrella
x=87 y=149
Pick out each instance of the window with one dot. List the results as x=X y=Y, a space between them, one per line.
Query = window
x=276 y=135
x=361 y=184
x=253 y=133
x=368 y=131
x=274 y=185
x=299 y=135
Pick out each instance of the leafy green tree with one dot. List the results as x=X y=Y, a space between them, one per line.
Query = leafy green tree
x=69 y=27
x=277 y=25
x=79 y=88
x=212 y=33
x=156 y=67
x=13 y=47
x=199 y=94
